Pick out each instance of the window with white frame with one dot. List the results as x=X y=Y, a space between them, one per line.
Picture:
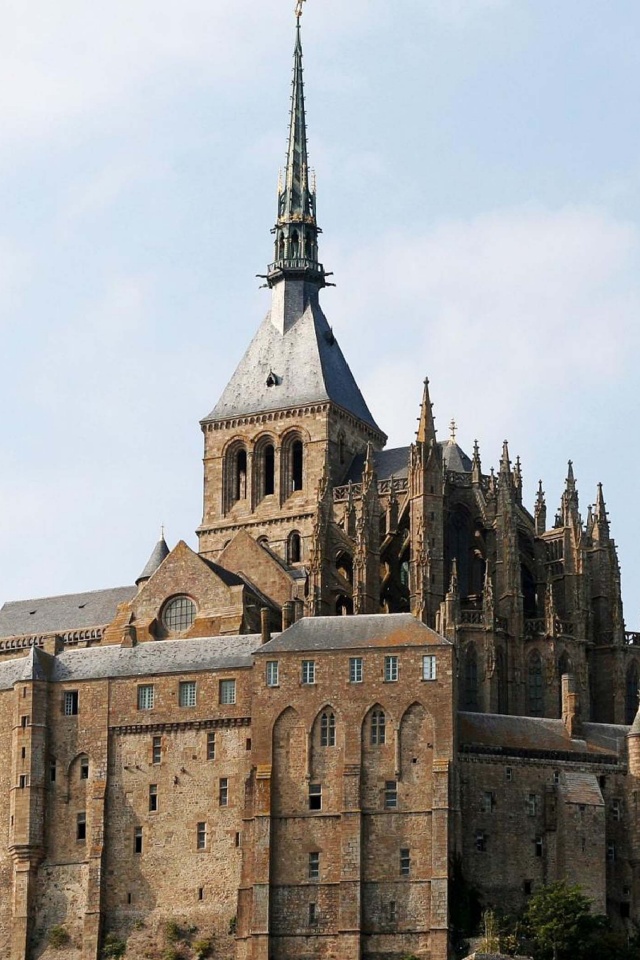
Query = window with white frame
x=272 y=673
x=429 y=667
x=227 y=691
x=533 y=805
x=71 y=703
x=355 y=670
x=390 y=669
x=146 y=696
x=314 y=866
x=187 y=693
x=315 y=796
x=391 y=794
x=308 y=671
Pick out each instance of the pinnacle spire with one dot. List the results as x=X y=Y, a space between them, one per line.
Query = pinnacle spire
x=426 y=426
x=476 y=465
x=296 y=230
x=601 y=520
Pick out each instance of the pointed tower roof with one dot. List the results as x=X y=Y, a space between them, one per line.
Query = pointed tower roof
x=294 y=359
x=158 y=554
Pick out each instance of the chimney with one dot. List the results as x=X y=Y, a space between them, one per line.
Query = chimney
x=571 y=706
x=298 y=607
x=287 y=614
x=265 y=625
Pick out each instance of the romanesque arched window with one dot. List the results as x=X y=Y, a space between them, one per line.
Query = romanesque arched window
x=631 y=693
x=535 y=691
x=240 y=484
x=294 y=547
x=295 y=245
x=297 y=457
x=378 y=727
x=328 y=729
x=470 y=701
x=264 y=469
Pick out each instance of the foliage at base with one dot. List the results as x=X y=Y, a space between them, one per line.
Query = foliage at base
x=58 y=937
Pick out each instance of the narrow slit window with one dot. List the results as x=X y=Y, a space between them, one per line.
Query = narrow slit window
x=297 y=459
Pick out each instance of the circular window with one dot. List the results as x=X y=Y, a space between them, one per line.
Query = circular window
x=179 y=614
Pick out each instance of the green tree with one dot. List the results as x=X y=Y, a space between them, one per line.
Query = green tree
x=559 y=921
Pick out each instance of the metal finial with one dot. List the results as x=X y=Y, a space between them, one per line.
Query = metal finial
x=162 y=531
x=453 y=427
x=299 y=8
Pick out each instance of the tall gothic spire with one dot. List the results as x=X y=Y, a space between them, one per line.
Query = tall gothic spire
x=296 y=230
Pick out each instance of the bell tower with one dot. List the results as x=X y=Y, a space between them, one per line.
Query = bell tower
x=292 y=412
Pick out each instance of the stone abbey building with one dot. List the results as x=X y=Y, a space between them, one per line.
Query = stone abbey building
x=380 y=669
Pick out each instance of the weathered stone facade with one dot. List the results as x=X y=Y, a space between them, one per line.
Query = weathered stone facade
x=222 y=751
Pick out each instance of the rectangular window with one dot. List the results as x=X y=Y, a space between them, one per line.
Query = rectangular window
x=201 y=836
x=137 y=840
x=200 y=893
x=24 y=781
x=23 y=753
x=187 y=693
x=84 y=768
x=315 y=796
x=429 y=668
x=481 y=841
x=488 y=801
x=145 y=696
x=538 y=846
x=211 y=745
x=308 y=671
x=24 y=722
x=314 y=866
x=405 y=862
x=616 y=810
x=71 y=703
x=392 y=911
x=378 y=727
x=391 y=794
x=223 y=792
x=527 y=887
x=611 y=852
x=157 y=750
x=272 y=673
x=153 y=797
x=227 y=691
x=508 y=772
x=313 y=914
x=556 y=777
x=355 y=670
x=52 y=771
x=390 y=669
x=533 y=804
x=81 y=826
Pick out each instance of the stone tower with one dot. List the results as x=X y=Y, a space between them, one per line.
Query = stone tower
x=292 y=412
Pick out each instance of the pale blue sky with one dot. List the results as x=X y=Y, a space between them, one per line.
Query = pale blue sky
x=478 y=168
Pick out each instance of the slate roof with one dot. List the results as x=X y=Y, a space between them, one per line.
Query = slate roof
x=308 y=364
x=72 y=611
x=147 y=659
x=455 y=458
x=386 y=463
x=395 y=462
x=501 y=732
x=583 y=788
x=344 y=633
x=159 y=553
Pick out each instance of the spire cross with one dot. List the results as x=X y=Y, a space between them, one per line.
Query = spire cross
x=299 y=9
x=453 y=427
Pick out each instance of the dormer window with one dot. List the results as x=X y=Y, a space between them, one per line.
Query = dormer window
x=179 y=614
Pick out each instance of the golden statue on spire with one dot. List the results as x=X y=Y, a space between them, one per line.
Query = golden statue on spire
x=299 y=8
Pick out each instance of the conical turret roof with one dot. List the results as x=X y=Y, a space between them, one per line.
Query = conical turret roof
x=158 y=554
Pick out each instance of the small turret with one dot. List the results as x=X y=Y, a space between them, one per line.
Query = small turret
x=158 y=554
x=476 y=465
x=540 y=511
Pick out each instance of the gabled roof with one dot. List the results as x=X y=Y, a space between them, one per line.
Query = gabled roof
x=344 y=633
x=71 y=611
x=144 y=660
x=499 y=733
x=306 y=364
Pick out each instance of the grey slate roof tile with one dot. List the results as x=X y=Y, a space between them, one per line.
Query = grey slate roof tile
x=500 y=731
x=583 y=788
x=386 y=463
x=308 y=363
x=344 y=633
x=159 y=553
x=57 y=614
x=146 y=660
